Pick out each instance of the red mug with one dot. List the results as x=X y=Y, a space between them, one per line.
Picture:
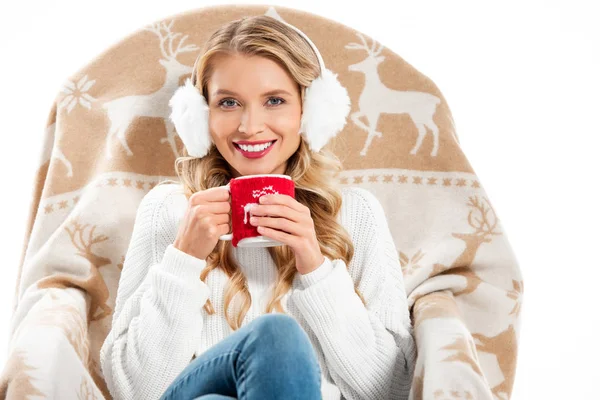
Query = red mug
x=245 y=192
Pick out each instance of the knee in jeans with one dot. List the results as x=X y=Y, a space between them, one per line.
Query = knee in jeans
x=281 y=339
x=280 y=328
x=275 y=323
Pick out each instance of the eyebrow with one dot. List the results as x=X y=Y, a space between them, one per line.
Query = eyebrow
x=270 y=92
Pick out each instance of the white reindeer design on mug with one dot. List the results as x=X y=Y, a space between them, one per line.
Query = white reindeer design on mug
x=256 y=194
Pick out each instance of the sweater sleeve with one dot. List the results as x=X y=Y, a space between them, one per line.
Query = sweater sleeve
x=157 y=321
x=369 y=349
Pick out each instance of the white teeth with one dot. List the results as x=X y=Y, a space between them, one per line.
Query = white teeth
x=256 y=147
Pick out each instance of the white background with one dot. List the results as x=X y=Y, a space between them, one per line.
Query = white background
x=521 y=79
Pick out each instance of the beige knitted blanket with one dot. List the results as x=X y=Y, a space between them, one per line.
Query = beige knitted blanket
x=108 y=141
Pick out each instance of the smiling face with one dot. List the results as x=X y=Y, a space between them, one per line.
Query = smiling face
x=254 y=103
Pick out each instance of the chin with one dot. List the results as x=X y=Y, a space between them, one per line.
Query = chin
x=254 y=171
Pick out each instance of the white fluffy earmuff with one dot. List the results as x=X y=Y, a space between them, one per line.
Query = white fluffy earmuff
x=325 y=109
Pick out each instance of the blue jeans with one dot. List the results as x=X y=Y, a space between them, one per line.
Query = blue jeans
x=269 y=358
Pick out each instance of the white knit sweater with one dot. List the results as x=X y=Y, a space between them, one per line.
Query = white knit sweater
x=159 y=322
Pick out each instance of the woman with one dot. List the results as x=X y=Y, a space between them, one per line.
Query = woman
x=323 y=316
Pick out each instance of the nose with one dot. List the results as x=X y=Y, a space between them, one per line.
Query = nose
x=252 y=120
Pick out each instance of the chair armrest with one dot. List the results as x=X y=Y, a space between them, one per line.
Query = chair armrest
x=49 y=353
x=447 y=364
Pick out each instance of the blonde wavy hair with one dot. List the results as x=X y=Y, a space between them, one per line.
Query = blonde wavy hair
x=314 y=173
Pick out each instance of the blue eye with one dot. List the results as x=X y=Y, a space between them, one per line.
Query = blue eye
x=224 y=100
x=277 y=98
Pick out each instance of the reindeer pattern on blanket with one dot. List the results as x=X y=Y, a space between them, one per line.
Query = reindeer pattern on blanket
x=108 y=141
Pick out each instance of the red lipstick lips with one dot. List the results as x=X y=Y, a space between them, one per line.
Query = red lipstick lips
x=254 y=154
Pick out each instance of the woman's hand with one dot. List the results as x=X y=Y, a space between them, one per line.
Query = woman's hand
x=206 y=218
x=282 y=218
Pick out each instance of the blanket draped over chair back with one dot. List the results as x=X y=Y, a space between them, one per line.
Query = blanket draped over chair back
x=108 y=140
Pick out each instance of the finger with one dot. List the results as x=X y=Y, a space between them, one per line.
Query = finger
x=211 y=223
x=223 y=229
x=281 y=224
x=284 y=199
x=222 y=207
x=276 y=210
x=214 y=194
x=280 y=236
x=217 y=219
